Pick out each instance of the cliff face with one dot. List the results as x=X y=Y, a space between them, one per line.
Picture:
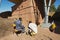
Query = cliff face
x=25 y=11
x=29 y=10
x=15 y=1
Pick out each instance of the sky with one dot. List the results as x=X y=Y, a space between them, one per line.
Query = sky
x=57 y=3
x=6 y=5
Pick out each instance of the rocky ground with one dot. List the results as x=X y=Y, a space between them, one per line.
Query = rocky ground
x=43 y=33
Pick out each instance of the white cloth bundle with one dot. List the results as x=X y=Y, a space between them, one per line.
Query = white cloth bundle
x=33 y=26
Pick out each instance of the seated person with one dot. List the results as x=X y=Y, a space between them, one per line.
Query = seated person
x=19 y=28
x=32 y=28
x=52 y=27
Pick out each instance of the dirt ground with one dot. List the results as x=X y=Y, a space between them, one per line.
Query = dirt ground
x=43 y=33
